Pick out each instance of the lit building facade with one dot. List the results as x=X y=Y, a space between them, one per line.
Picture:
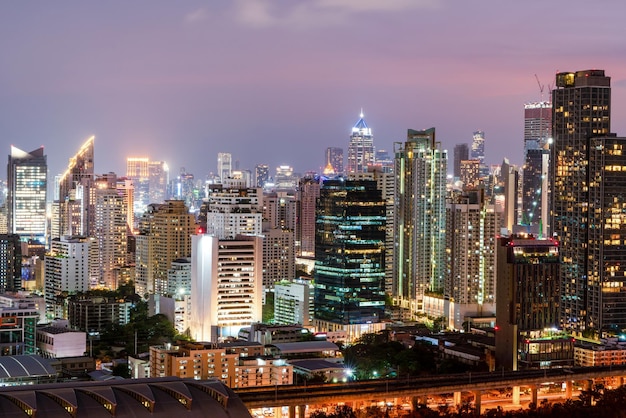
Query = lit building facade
x=293 y=302
x=226 y=285
x=349 y=255
x=581 y=111
x=361 y=147
x=27 y=184
x=461 y=153
x=224 y=165
x=233 y=209
x=10 y=263
x=420 y=219
x=527 y=310
x=261 y=175
x=306 y=195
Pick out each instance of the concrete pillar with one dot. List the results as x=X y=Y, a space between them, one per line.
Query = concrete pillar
x=589 y=384
x=477 y=400
x=533 y=393
x=620 y=381
x=301 y=411
x=515 y=395
x=422 y=400
x=278 y=411
x=292 y=411
x=457 y=399
x=568 y=389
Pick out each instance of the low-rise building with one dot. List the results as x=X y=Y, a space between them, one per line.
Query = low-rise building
x=608 y=353
x=92 y=313
x=274 y=334
x=58 y=342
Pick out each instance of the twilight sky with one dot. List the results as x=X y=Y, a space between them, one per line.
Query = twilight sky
x=278 y=81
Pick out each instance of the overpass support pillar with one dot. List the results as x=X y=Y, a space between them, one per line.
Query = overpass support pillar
x=422 y=400
x=477 y=399
x=620 y=381
x=568 y=389
x=457 y=399
x=533 y=395
x=292 y=411
x=589 y=384
x=515 y=395
x=301 y=411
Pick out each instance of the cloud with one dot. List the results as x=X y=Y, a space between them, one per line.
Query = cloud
x=197 y=16
x=315 y=13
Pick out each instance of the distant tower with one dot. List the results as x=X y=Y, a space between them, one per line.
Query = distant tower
x=587 y=201
x=334 y=160
x=478 y=147
x=361 y=147
x=350 y=267
x=461 y=153
x=27 y=181
x=420 y=218
x=307 y=194
x=224 y=165
x=261 y=175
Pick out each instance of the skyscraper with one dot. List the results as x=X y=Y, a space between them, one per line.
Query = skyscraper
x=420 y=218
x=349 y=256
x=582 y=110
x=27 y=181
x=361 y=147
x=150 y=180
x=10 y=263
x=461 y=153
x=478 y=147
x=306 y=195
x=261 y=175
x=224 y=165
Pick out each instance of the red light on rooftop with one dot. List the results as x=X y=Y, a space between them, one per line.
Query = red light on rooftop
x=497 y=328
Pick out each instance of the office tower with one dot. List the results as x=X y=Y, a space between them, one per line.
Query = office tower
x=478 y=147
x=527 y=305
x=184 y=188
x=537 y=125
x=158 y=173
x=126 y=190
x=582 y=110
x=285 y=179
x=70 y=267
x=470 y=174
x=226 y=285
x=349 y=257
x=306 y=195
x=472 y=224
x=420 y=218
x=27 y=174
x=361 y=147
x=509 y=183
x=232 y=209
x=334 y=160
x=164 y=236
x=461 y=153
x=385 y=182
x=73 y=212
x=110 y=229
x=10 y=263
x=261 y=175
x=224 y=165
x=384 y=162
x=279 y=231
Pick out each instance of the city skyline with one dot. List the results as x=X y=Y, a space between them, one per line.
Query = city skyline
x=246 y=77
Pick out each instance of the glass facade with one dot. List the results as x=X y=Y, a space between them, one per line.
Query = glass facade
x=350 y=252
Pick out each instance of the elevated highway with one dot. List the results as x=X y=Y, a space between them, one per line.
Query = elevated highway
x=383 y=389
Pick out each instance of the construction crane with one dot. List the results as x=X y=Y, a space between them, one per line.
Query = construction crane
x=541 y=87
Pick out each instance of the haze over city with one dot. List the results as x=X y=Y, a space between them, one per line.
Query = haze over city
x=277 y=82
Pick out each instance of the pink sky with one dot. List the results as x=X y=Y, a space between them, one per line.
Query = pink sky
x=277 y=82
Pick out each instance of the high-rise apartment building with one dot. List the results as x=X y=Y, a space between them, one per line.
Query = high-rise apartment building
x=110 y=229
x=461 y=153
x=361 y=147
x=307 y=193
x=420 y=218
x=349 y=257
x=472 y=224
x=232 y=208
x=27 y=183
x=164 y=236
x=334 y=161
x=581 y=111
x=70 y=267
x=226 y=285
x=279 y=232
x=224 y=165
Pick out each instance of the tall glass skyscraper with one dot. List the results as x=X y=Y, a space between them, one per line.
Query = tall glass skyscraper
x=361 y=148
x=580 y=209
x=350 y=253
x=27 y=178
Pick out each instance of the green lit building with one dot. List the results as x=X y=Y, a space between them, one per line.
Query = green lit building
x=349 y=257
